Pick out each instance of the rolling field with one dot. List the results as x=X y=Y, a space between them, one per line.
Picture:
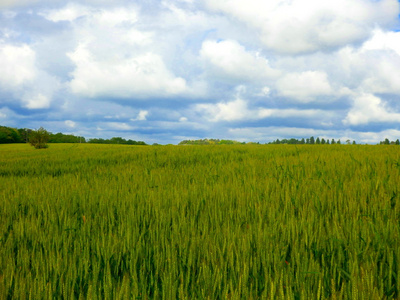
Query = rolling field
x=91 y=221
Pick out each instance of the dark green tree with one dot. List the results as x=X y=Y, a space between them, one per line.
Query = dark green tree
x=66 y=138
x=9 y=135
x=24 y=133
x=39 y=138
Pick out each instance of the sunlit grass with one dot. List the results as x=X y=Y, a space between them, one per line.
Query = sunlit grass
x=199 y=222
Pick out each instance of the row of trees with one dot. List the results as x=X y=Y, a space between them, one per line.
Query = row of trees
x=116 y=140
x=387 y=142
x=311 y=141
x=10 y=135
x=24 y=135
x=65 y=138
x=322 y=141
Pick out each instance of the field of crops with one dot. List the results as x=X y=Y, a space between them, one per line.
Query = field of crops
x=200 y=222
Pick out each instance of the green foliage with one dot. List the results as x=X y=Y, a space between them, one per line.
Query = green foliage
x=65 y=138
x=209 y=142
x=116 y=140
x=388 y=142
x=310 y=141
x=23 y=135
x=9 y=135
x=229 y=222
x=39 y=138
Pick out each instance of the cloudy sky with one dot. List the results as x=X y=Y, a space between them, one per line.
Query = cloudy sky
x=164 y=71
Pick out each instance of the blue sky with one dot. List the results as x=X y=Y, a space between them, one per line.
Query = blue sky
x=165 y=71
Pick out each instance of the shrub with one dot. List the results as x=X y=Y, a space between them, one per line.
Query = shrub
x=39 y=138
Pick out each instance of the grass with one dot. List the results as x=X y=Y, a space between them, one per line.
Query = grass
x=199 y=222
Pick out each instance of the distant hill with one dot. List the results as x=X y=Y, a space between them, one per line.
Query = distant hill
x=209 y=142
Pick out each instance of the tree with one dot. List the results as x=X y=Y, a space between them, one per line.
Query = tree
x=24 y=133
x=333 y=142
x=312 y=140
x=65 y=138
x=9 y=135
x=397 y=142
x=318 y=141
x=39 y=138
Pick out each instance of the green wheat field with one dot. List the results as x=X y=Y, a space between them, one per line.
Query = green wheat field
x=85 y=221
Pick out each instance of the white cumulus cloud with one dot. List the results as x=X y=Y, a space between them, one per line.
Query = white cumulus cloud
x=303 y=26
x=70 y=13
x=383 y=40
x=17 y=65
x=142 y=116
x=368 y=108
x=36 y=101
x=135 y=76
x=228 y=59
x=239 y=110
x=115 y=57
x=21 y=77
x=70 y=124
x=224 y=111
x=305 y=86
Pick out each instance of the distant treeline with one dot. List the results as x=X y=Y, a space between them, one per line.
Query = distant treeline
x=21 y=135
x=10 y=135
x=311 y=141
x=116 y=140
x=65 y=138
x=387 y=142
x=322 y=141
x=209 y=142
